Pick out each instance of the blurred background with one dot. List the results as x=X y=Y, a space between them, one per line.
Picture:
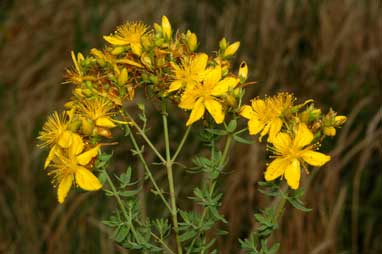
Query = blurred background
x=330 y=51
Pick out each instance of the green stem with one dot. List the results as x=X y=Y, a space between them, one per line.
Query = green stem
x=182 y=142
x=169 y=163
x=148 y=172
x=125 y=214
x=142 y=133
x=280 y=208
x=222 y=161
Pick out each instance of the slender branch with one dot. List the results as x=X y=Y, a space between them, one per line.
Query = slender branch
x=170 y=177
x=221 y=163
x=142 y=133
x=163 y=243
x=181 y=144
x=148 y=172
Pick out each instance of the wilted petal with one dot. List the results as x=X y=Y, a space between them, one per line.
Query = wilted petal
x=64 y=187
x=86 y=180
x=215 y=109
x=315 y=158
x=292 y=174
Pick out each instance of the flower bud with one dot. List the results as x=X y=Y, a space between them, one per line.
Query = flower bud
x=192 y=40
x=231 y=49
x=103 y=132
x=243 y=72
x=330 y=131
x=339 y=120
x=166 y=28
x=223 y=44
x=123 y=76
x=117 y=51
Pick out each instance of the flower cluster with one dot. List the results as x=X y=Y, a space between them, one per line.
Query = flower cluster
x=294 y=132
x=166 y=65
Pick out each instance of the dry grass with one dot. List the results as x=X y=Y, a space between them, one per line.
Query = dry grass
x=327 y=50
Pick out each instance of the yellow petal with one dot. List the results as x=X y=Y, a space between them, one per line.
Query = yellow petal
x=303 y=136
x=136 y=48
x=276 y=169
x=264 y=131
x=258 y=106
x=188 y=99
x=65 y=139
x=231 y=82
x=246 y=112
x=197 y=112
x=282 y=142
x=213 y=76
x=175 y=85
x=105 y=122
x=215 y=109
x=292 y=174
x=129 y=62
x=220 y=89
x=115 y=40
x=255 y=126
x=77 y=145
x=199 y=63
x=64 y=187
x=275 y=128
x=86 y=180
x=50 y=156
x=84 y=158
x=315 y=158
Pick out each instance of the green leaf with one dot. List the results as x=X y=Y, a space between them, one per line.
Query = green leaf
x=187 y=235
x=242 y=140
x=231 y=126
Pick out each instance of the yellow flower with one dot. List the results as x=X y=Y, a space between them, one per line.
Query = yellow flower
x=264 y=115
x=54 y=131
x=129 y=34
x=189 y=73
x=69 y=167
x=290 y=153
x=205 y=95
x=99 y=111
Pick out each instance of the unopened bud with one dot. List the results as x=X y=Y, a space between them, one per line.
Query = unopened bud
x=330 y=131
x=166 y=28
x=243 y=72
x=231 y=49
x=340 y=120
x=117 y=51
x=192 y=41
x=123 y=76
x=87 y=126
